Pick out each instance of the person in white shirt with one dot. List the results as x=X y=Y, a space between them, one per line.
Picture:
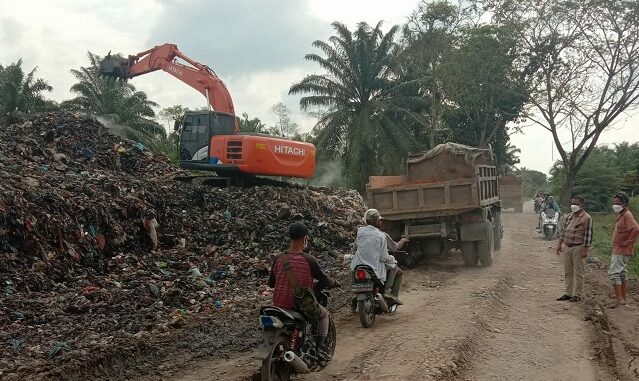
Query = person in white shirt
x=372 y=250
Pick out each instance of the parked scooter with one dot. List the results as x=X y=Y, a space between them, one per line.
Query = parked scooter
x=289 y=343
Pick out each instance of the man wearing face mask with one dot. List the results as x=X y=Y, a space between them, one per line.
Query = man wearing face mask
x=577 y=234
x=623 y=246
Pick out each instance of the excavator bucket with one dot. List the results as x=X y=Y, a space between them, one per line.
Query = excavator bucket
x=114 y=66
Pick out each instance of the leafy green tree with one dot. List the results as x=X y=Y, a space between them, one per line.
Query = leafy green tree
x=467 y=71
x=172 y=114
x=21 y=93
x=363 y=101
x=116 y=100
x=597 y=181
x=485 y=90
x=626 y=164
x=581 y=62
x=168 y=145
x=430 y=36
x=284 y=126
x=533 y=181
x=252 y=125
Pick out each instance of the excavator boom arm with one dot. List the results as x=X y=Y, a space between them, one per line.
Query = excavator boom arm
x=164 y=57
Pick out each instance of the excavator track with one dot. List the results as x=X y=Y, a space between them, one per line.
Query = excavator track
x=240 y=181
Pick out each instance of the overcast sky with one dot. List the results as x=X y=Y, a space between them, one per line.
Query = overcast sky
x=255 y=46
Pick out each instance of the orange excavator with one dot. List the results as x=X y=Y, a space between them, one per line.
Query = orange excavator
x=211 y=140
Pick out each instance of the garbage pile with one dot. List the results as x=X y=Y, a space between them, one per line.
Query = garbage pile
x=99 y=243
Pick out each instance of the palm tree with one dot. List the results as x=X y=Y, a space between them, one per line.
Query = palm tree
x=21 y=93
x=115 y=100
x=365 y=104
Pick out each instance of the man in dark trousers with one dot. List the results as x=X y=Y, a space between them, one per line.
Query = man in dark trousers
x=577 y=234
x=305 y=269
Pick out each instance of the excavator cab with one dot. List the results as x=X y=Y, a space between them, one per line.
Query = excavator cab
x=196 y=131
x=209 y=142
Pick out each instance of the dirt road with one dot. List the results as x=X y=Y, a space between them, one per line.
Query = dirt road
x=497 y=323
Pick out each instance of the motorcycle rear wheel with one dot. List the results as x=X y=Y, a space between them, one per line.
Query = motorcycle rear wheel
x=366 y=314
x=274 y=368
x=331 y=340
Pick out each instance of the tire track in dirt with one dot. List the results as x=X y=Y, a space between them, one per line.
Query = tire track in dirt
x=459 y=323
x=616 y=331
x=536 y=337
x=426 y=340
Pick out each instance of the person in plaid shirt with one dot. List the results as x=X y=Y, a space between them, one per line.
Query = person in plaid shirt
x=577 y=235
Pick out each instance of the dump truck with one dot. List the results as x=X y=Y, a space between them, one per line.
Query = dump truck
x=448 y=198
x=511 y=193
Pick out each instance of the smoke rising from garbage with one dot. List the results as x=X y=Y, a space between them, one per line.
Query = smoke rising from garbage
x=329 y=173
x=118 y=129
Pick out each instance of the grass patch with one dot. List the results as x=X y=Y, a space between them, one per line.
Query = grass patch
x=603 y=227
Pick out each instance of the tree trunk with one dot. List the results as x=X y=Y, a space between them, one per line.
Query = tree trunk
x=431 y=143
x=566 y=188
x=434 y=123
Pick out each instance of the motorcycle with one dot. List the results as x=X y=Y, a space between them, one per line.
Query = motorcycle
x=549 y=223
x=370 y=302
x=289 y=342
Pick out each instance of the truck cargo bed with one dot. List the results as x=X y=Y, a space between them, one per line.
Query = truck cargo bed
x=419 y=199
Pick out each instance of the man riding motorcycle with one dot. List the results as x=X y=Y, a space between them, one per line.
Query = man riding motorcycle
x=549 y=203
x=372 y=250
x=305 y=268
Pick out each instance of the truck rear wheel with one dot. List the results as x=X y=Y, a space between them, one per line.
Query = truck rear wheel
x=485 y=247
x=470 y=254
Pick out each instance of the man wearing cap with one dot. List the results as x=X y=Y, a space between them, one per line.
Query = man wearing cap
x=372 y=250
x=304 y=268
x=623 y=246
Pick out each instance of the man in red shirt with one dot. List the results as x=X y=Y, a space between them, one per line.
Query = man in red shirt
x=623 y=241
x=305 y=269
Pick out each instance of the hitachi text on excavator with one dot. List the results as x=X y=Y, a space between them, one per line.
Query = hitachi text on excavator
x=211 y=141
